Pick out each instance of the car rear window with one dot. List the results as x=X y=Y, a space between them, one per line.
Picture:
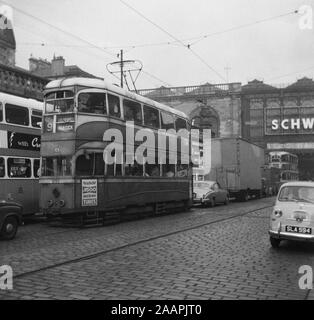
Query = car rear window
x=297 y=193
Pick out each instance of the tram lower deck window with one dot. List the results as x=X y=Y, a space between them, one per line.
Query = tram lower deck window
x=19 y=168
x=56 y=166
x=2 y=167
x=1 y=112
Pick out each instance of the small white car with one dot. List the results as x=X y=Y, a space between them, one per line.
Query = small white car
x=293 y=214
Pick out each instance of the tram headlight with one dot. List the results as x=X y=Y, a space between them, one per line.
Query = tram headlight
x=50 y=203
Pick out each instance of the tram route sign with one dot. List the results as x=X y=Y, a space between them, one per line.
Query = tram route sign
x=89 y=192
x=18 y=140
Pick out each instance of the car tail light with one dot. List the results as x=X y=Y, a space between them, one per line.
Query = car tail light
x=278 y=213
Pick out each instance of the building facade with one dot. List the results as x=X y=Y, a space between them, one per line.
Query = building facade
x=15 y=80
x=281 y=119
x=209 y=106
x=56 y=69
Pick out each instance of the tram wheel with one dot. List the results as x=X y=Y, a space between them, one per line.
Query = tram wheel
x=9 y=228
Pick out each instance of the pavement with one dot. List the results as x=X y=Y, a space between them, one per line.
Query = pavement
x=206 y=253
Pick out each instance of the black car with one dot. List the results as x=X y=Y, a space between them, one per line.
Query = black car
x=10 y=219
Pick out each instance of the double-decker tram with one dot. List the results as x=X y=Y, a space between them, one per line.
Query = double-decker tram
x=20 y=129
x=287 y=163
x=85 y=179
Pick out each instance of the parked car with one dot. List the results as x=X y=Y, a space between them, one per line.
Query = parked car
x=209 y=193
x=293 y=214
x=10 y=219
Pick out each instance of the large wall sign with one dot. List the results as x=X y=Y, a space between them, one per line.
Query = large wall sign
x=289 y=120
x=23 y=141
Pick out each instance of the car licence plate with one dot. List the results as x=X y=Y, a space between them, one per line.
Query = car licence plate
x=295 y=229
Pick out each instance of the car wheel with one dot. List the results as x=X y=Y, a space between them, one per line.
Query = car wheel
x=274 y=242
x=9 y=228
x=212 y=202
x=226 y=200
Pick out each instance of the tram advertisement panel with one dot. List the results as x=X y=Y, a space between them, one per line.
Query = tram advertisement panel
x=89 y=192
x=17 y=140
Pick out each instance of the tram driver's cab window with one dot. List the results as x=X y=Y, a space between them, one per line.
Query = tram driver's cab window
x=132 y=111
x=19 y=168
x=2 y=167
x=92 y=102
x=16 y=115
x=114 y=106
x=90 y=164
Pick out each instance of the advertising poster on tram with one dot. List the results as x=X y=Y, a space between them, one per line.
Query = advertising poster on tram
x=89 y=192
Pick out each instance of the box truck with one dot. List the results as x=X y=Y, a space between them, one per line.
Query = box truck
x=236 y=165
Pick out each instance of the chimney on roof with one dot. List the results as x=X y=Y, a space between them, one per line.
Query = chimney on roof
x=57 y=66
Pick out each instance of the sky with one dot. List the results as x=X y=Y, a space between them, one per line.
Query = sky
x=276 y=51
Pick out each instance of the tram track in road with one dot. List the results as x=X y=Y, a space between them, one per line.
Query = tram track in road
x=131 y=244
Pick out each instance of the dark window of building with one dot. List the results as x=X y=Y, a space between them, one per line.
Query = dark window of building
x=16 y=115
x=19 y=168
x=36 y=118
x=114 y=106
x=92 y=102
x=167 y=121
x=151 y=117
x=132 y=111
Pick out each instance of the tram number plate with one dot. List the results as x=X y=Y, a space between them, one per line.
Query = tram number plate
x=295 y=229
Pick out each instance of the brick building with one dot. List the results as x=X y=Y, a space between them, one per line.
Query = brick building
x=281 y=119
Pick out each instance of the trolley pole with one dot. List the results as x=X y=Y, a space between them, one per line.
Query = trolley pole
x=121 y=68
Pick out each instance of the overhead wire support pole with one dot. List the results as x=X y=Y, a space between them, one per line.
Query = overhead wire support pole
x=121 y=68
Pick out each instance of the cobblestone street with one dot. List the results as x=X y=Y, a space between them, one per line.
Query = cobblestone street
x=207 y=253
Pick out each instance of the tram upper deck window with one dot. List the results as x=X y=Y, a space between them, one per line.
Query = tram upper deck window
x=167 y=121
x=16 y=115
x=2 y=167
x=59 y=101
x=1 y=111
x=114 y=106
x=151 y=117
x=36 y=118
x=132 y=111
x=180 y=124
x=19 y=168
x=92 y=102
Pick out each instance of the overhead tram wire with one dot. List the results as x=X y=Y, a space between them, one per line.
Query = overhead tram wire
x=69 y=34
x=196 y=38
x=175 y=38
x=242 y=26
